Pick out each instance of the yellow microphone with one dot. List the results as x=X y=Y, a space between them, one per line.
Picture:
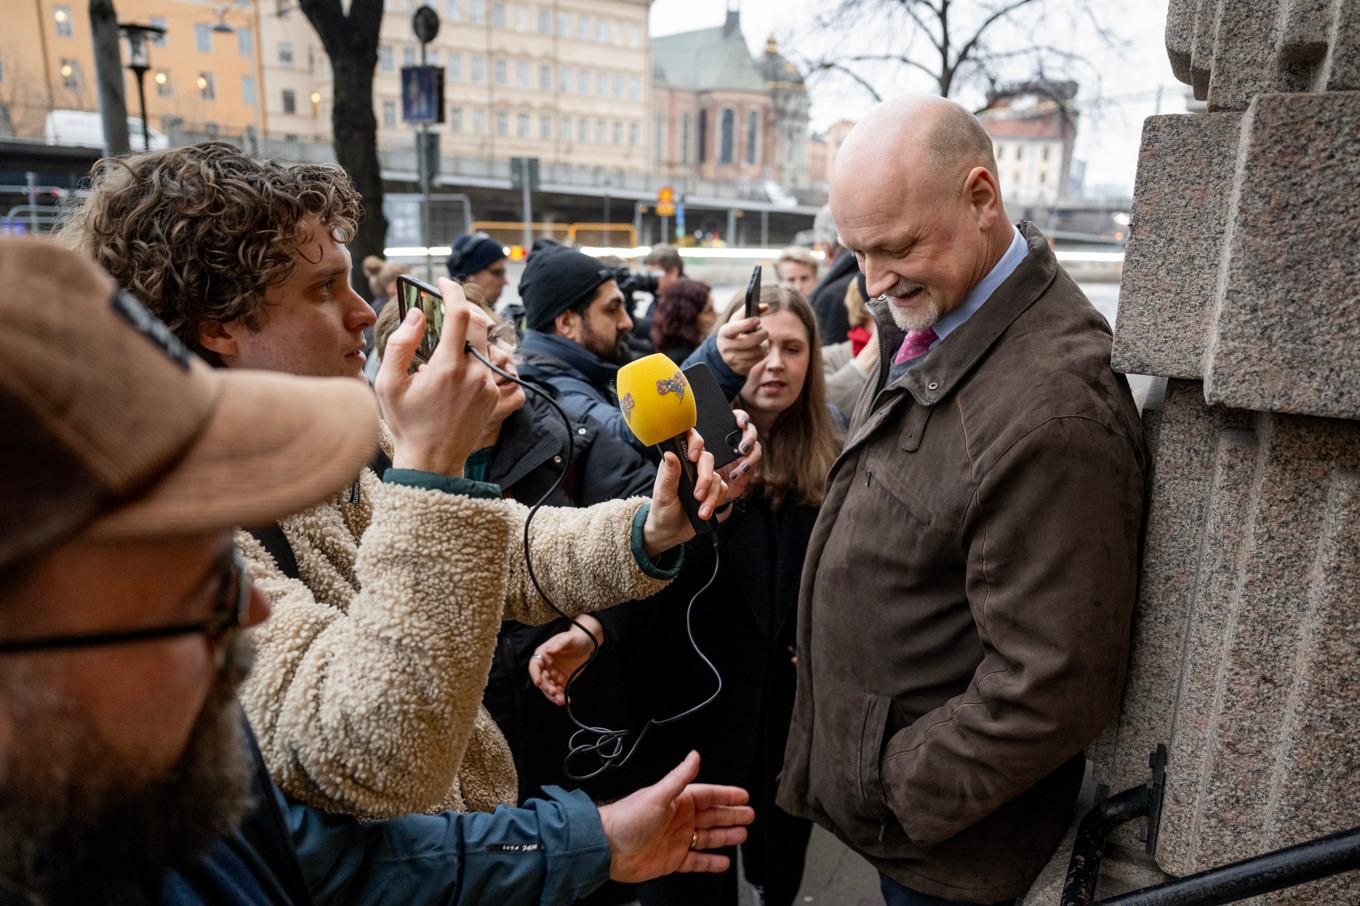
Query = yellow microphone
x=658 y=404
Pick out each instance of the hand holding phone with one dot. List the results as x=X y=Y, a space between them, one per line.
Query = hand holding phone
x=753 y=293
x=437 y=412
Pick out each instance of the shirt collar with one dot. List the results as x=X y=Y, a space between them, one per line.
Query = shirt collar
x=979 y=294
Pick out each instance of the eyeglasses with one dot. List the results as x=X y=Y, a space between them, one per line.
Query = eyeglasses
x=230 y=606
x=504 y=336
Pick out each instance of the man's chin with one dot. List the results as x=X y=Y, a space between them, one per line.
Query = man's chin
x=924 y=314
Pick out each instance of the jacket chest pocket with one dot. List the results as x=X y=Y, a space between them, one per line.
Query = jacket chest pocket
x=895 y=464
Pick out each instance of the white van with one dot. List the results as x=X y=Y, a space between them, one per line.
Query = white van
x=85 y=129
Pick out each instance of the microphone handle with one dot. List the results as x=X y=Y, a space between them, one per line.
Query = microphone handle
x=688 y=477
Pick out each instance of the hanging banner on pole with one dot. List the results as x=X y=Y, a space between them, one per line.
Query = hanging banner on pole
x=422 y=94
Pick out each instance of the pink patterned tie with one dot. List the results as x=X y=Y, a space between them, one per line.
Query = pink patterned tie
x=916 y=344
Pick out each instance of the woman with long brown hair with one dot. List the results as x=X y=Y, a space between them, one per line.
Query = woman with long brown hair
x=746 y=622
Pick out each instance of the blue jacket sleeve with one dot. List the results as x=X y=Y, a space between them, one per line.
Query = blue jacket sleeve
x=581 y=401
x=548 y=852
x=730 y=382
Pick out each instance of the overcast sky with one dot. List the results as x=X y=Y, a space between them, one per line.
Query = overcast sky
x=1118 y=90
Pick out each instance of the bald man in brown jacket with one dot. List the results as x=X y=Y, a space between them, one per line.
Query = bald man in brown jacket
x=965 y=612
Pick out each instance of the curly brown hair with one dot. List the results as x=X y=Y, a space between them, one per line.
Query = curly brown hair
x=199 y=233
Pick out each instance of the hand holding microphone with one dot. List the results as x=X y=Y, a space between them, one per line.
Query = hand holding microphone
x=657 y=402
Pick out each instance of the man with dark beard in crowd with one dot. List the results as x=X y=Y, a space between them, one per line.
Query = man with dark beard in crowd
x=127 y=774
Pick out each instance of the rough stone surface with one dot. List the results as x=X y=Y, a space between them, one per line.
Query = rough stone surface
x=1230 y=51
x=1286 y=333
x=1180 y=210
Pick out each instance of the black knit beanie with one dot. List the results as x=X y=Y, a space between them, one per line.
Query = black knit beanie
x=555 y=281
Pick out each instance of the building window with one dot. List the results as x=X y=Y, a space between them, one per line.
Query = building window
x=1043 y=175
x=1044 y=156
x=384 y=57
x=61 y=19
x=70 y=74
x=545 y=77
x=455 y=71
x=618 y=86
x=544 y=126
x=618 y=133
x=634 y=88
x=498 y=15
x=408 y=56
x=752 y=133
x=601 y=84
x=245 y=42
x=455 y=119
x=583 y=130
x=521 y=17
x=725 y=137
x=522 y=74
x=500 y=72
x=389 y=109
x=166 y=89
x=502 y=123
x=1000 y=152
x=455 y=10
x=544 y=21
x=478 y=68
x=203 y=37
x=632 y=135
x=564 y=80
x=158 y=40
x=522 y=125
x=479 y=122
x=566 y=129
x=564 y=25
x=583 y=28
x=289 y=101
x=477 y=11
x=1019 y=152
x=583 y=82
x=207 y=86
x=703 y=137
x=286 y=54
x=248 y=90
x=602 y=31
x=658 y=136
x=600 y=128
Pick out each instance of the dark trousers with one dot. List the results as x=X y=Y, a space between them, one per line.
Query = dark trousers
x=895 y=894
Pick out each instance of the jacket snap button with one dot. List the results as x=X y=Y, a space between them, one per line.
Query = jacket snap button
x=557 y=459
x=933 y=385
x=580 y=430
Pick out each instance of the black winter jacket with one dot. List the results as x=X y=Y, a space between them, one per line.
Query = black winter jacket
x=828 y=300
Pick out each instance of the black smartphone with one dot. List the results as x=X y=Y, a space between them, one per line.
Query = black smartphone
x=413 y=293
x=716 y=423
x=753 y=294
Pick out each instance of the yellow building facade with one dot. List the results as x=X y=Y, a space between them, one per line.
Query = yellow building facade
x=204 y=71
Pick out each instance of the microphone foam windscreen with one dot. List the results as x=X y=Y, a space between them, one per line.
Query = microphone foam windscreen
x=655 y=399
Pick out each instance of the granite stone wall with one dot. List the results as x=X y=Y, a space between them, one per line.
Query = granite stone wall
x=1242 y=289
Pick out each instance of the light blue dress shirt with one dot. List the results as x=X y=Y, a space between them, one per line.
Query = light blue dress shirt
x=979 y=294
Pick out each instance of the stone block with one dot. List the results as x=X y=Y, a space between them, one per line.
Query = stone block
x=1230 y=51
x=1284 y=333
x=1263 y=727
x=1179 y=216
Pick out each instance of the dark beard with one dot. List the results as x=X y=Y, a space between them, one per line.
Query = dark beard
x=78 y=827
x=618 y=353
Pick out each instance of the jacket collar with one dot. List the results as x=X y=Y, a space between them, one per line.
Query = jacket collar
x=528 y=440
x=954 y=357
x=544 y=348
x=844 y=263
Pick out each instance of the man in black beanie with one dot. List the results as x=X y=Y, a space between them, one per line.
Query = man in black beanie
x=479 y=259
x=577 y=328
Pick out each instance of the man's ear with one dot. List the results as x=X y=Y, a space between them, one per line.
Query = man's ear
x=984 y=196
x=220 y=338
x=567 y=324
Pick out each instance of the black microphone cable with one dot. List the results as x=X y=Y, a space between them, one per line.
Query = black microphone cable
x=605 y=744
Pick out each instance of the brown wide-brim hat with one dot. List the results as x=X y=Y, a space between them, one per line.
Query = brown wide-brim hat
x=111 y=426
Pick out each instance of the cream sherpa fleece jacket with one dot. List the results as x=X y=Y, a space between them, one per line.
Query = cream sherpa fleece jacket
x=367 y=686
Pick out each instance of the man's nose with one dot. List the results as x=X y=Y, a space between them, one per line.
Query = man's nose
x=361 y=313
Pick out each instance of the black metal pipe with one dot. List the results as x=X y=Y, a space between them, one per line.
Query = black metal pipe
x=1299 y=864
x=1084 y=869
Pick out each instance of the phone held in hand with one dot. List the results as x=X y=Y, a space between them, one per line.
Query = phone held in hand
x=413 y=293
x=716 y=424
x=753 y=293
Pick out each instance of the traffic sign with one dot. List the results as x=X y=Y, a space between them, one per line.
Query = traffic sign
x=519 y=166
x=422 y=94
x=665 y=202
x=425 y=23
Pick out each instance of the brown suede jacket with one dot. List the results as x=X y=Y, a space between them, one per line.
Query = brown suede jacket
x=964 y=623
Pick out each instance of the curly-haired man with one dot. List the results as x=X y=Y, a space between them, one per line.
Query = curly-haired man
x=387 y=598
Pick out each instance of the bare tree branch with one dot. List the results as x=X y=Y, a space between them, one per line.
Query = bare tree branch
x=845 y=70
x=986 y=24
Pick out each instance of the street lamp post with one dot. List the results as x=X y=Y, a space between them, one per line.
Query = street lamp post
x=139 y=62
